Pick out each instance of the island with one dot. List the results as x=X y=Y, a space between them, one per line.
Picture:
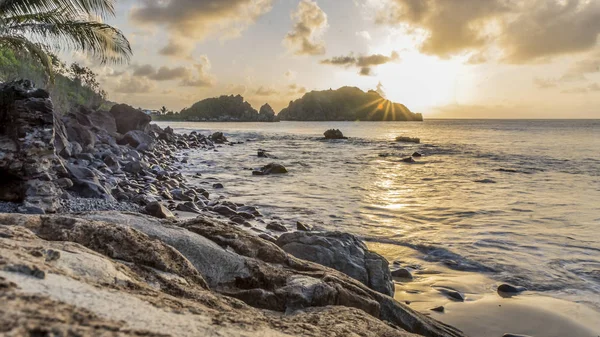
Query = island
x=346 y=104
x=232 y=108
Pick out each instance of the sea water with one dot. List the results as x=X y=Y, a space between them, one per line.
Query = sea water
x=517 y=200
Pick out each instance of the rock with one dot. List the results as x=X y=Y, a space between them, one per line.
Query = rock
x=189 y=207
x=262 y=154
x=272 y=168
x=224 y=210
x=277 y=227
x=104 y=120
x=128 y=118
x=64 y=183
x=402 y=273
x=218 y=138
x=157 y=210
x=408 y=160
x=438 y=309
x=417 y=155
x=266 y=113
x=135 y=138
x=404 y=139
x=510 y=289
x=334 y=134
x=179 y=195
x=514 y=335
x=78 y=132
x=27 y=146
x=452 y=294
x=303 y=227
x=133 y=167
x=86 y=183
x=267 y=237
x=343 y=252
x=218 y=186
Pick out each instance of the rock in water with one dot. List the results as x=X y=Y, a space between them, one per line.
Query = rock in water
x=157 y=210
x=277 y=227
x=128 y=118
x=343 y=252
x=438 y=309
x=218 y=138
x=27 y=152
x=402 y=273
x=510 y=289
x=272 y=168
x=303 y=227
x=334 y=134
x=404 y=139
x=417 y=155
x=408 y=160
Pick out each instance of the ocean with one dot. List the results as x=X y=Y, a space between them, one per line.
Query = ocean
x=516 y=200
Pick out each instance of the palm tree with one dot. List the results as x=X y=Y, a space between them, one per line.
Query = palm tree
x=163 y=110
x=37 y=26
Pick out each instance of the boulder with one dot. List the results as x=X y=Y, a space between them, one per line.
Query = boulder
x=104 y=120
x=218 y=138
x=303 y=227
x=86 y=183
x=272 y=168
x=157 y=210
x=343 y=252
x=128 y=118
x=27 y=147
x=277 y=227
x=334 y=134
x=136 y=138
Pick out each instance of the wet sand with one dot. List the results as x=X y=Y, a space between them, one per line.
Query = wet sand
x=484 y=312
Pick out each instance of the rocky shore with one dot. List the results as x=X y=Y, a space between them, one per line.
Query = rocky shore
x=90 y=244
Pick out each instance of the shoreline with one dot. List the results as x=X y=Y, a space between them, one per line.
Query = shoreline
x=211 y=252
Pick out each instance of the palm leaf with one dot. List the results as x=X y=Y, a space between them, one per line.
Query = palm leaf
x=102 y=8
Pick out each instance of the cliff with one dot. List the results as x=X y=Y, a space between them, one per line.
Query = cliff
x=346 y=104
x=227 y=108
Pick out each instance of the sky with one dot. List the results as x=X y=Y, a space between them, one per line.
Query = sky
x=443 y=58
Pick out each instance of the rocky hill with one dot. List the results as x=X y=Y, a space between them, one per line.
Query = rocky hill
x=346 y=104
x=227 y=108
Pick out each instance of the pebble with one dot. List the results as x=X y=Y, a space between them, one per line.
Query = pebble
x=438 y=309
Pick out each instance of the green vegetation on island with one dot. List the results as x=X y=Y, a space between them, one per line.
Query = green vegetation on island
x=346 y=104
x=223 y=109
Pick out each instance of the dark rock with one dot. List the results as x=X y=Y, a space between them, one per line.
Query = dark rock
x=27 y=146
x=266 y=113
x=408 y=160
x=157 y=210
x=224 y=210
x=343 y=252
x=135 y=138
x=514 y=335
x=189 y=207
x=64 y=183
x=86 y=183
x=453 y=294
x=238 y=220
x=417 y=154
x=303 y=227
x=218 y=138
x=272 y=168
x=510 y=289
x=33 y=271
x=179 y=195
x=262 y=154
x=402 y=273
x=104 y=120
x=133 y=167
x=218 y=186
x=438 y=309
x=128 y=118
x=334 y=134
x=277 y=227
x=267 y=237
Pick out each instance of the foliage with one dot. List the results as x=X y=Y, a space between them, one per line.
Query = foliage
x=224 y=108
x=73 y=85
x=346 y=104
x=36 y=26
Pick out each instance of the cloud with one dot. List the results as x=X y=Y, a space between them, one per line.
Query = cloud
x=578 y=70
x=525 y=30
x=365 y=62
x=177 y=48
x=583 y=90
x=291 y=75
x=364 y=34
x=134 y=85
x=266 y=91
x=191 y=76
x=544 y=83
x=294 y=89
x=199 y=19
x=310 y=22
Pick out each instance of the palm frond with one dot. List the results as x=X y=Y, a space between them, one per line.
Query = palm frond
x=20 y=43
x=102 y=8
x=104 y=42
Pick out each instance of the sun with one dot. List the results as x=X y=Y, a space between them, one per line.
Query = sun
x=421 y=81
